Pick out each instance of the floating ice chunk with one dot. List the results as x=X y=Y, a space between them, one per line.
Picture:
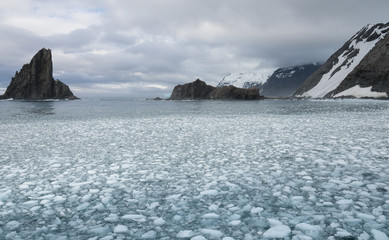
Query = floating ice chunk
x=340 y=232
x=274 y=222
x=159 y=222
x=149 y=235
x=227 y=238
x=153 y=205
x=173 y=197
x=185 y=234
x=83 y=206
x=313 y=231
x=112 y=218
x=212 y=192
x=344 y=202
x=199 y=237
x=101 y=231
x=234 y=217
x=59 y=199
x=278 y=231
x=4 y=194
x=12 y=225
x=134 y=217
x=120 y=229
x=213 y=207
x=301 y=237
x=30 y=203
x=378 y=235
x=366 y=217
x=211 y=233
x=234 y=223
x=256 y=210
x=210 y=215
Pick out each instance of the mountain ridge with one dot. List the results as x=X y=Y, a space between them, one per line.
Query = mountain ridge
x=362 y=62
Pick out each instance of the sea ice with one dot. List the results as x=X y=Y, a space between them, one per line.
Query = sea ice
x=278 y=231
x=378 y=235
x=120 y=229
x=185 y=234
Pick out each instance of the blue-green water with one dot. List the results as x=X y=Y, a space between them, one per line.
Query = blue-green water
x=137 y=169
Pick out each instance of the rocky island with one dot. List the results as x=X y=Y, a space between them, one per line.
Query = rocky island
x=200 y=90
x=35 y=81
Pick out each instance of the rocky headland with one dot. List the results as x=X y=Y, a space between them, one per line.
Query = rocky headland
x=35 y=81
x=198 y=90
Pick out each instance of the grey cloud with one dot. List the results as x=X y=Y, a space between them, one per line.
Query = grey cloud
x=163 y=43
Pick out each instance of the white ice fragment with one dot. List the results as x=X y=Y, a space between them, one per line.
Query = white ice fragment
x=366 y=217
x=101 y=230
x=378 y=235
x=185 y=234
x=4 y=194
x=83 y=206
x=112 y=218
x=256 y=210
x=274 y=222
x=30 y=203
x=12 y=225
x=212 y=192
x=313 y=231
x=199 y=237
x=340 y=232
x=301 y=237
x=134 y=217
x=211 y=233
x=159 y=222
x=149 y=235
x=227 y=238
x=344 y=202
x=234 y=223
x=213 y=207
x=59 y=199
x=210 y=215
x=173 y=197
x=278 y=231
x=153 y=205
x=120 y=229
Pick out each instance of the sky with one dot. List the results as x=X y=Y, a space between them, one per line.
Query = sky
x=143 y=48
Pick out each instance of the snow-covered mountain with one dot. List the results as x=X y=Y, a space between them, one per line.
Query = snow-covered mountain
x=281 y=82
x=247 y=79
x=360 y=68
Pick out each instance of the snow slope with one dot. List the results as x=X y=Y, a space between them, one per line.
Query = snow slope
x=247 y=79
x=359 y=46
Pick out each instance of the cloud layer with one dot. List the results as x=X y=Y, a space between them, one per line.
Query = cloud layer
x=143 y=48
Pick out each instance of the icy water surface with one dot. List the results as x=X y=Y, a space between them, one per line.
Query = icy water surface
x=129 y=169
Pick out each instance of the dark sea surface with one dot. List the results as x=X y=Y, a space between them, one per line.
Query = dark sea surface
x=142 y=169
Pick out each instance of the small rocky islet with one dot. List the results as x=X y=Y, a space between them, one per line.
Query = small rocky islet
x=35 y=81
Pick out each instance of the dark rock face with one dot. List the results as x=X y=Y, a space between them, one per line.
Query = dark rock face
x=284 y=82
x=35 y=81
x=200 y=90
x=371 y=71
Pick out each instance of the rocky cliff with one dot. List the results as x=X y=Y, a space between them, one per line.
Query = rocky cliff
x=200 y=90
x=360 y=68
x=35 y=81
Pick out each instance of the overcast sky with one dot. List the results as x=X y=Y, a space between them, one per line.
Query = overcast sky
x=144 y=48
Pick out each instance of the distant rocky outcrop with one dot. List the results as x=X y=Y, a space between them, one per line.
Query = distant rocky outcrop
x=35 y=81
x=200 y=90
x=360 y=68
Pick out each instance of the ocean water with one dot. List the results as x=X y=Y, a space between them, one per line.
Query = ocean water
x=137 y=169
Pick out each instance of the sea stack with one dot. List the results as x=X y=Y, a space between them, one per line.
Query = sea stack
x=35 y=81
x=198 y=90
